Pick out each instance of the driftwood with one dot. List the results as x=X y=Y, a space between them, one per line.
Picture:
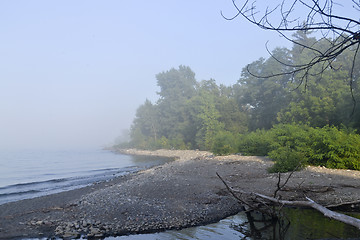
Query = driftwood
x=314 y=189
x=309 y=203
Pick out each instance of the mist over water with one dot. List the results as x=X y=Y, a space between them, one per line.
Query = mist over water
x=29 y=173
x=73 y=73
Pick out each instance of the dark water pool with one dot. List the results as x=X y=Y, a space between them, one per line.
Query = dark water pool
x=296 y=224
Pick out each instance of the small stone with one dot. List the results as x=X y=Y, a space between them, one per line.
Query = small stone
x=90 y=235
x=94 y=230
x=59 y=230
x=71 y=235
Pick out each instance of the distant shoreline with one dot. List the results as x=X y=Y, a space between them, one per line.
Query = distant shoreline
x=178 y=194
x=177 y=154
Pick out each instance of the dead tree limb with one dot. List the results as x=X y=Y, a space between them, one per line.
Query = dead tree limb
x=310 y=203
x=243 y=200
x=279 y=188
x=329 y=19
x=233 y=193
x=342 y=204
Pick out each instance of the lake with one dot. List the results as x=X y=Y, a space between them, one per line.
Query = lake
x=28 y=174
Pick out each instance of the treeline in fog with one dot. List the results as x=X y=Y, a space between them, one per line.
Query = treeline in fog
x=295 y=119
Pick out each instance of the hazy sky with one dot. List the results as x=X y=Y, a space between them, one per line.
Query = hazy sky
x=72 y=73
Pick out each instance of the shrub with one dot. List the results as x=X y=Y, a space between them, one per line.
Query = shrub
x=334 y=148
x=177 y=142
x=256 y=143
x=224 y=143
x=289 y=144
x=286 y=159
x=328 y=146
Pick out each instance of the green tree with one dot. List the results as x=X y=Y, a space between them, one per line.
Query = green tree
x=145 y=124
x=264 y=97
x=325 y=99
x=323 y=17
x=205 y=115
x=233 y=115
x=177 y=87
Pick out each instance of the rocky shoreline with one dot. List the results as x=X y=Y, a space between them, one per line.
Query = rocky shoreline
x=179 y=194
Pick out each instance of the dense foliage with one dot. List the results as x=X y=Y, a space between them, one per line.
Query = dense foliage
x=293 y=121
x=293 y=146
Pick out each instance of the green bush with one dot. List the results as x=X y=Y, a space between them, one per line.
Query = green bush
x=256 y=143
x=224 y=143
x=177 y=142
x=286 y=159
x=291 y=145
x=334 y=148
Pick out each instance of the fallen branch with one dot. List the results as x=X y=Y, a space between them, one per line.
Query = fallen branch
x=233 y=193
x=310 y=203
x=249 y=205
x=343 y=204
x=314 y=189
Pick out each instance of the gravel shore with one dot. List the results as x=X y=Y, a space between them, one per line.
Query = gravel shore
x=179 y=194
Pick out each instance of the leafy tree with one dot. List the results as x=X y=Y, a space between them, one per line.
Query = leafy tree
x=177 y=86
x=205 y=115
x=325 y=99
x=323 y=17
x=233 y=115
x=145 y=123
x=265 y=97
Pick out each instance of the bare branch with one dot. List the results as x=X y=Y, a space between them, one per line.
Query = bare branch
x=310 y=203
x=286 y=181
x=341 y=32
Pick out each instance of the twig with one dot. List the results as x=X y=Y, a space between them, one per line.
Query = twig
x=233 y=193
x=310 y=203
x=286 y=181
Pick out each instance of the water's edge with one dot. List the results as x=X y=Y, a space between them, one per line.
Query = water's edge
x=304 y=223
x=22 y=179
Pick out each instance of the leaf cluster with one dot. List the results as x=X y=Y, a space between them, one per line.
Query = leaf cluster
x=293 y=146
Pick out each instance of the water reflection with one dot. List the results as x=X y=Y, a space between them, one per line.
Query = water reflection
x=294 y=224
x=260 y=226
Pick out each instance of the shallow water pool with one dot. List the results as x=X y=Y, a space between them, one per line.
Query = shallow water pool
x=296 y=224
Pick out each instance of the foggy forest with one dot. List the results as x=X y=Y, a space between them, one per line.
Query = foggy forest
x=292 y=121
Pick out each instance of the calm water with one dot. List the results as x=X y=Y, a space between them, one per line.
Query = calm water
x=296 y=224
x=27 y=174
